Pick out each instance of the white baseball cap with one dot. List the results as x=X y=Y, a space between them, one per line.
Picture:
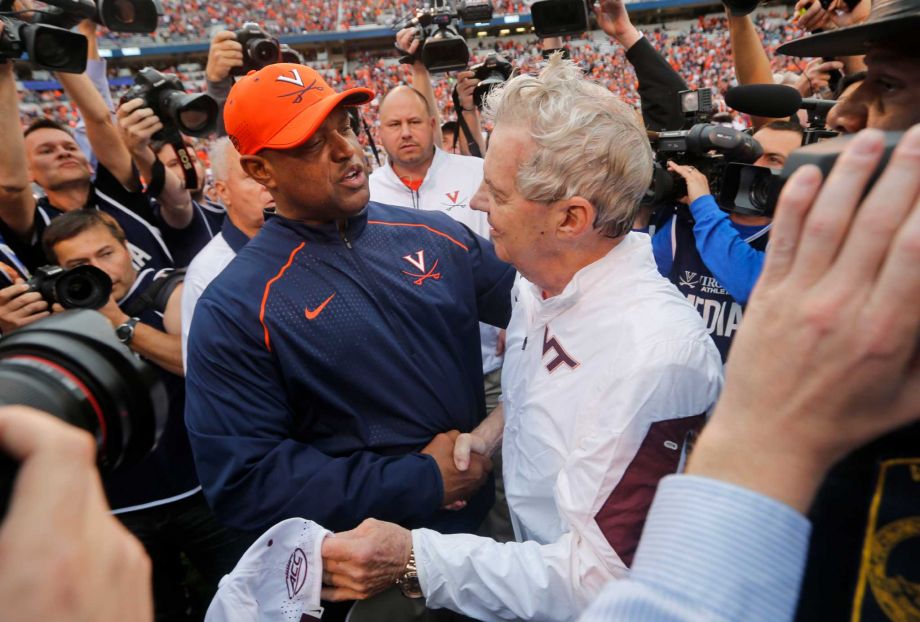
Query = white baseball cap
x=277 y=579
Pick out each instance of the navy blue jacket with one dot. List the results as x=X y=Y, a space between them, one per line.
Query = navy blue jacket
x=321 y=361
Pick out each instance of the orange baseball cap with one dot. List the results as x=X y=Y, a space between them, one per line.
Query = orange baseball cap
x=281 y=106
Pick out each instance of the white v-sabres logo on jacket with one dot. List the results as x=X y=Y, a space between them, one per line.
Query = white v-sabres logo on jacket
x=602 y=386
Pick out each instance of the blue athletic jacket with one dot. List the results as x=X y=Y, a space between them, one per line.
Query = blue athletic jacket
x=322 y=359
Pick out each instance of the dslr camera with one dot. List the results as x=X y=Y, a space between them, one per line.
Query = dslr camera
x=81 y=287
x=72 y=366
x=259 y=49
x=441 y=46
x=47 y=39
x=706 y=146
x=193 y=115
x=491 y=72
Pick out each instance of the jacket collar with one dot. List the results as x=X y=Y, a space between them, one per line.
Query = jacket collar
x=440 y=156
x=234 y=238
x=326 y=233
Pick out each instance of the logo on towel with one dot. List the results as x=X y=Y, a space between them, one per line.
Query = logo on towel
x=296 y=574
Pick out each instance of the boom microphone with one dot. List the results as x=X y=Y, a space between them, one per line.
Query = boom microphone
x=776 y=101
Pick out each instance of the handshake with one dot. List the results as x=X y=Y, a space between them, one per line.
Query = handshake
x=464 y=458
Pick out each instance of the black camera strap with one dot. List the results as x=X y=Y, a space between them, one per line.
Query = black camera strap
x=467 y=132
x=186 y=158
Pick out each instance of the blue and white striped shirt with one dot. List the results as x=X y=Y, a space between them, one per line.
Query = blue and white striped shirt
x=711 y=552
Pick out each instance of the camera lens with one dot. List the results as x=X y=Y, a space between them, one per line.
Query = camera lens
x=263 y=52
x=51 y=50
x=83 y=287
x=124 y=12
x=72 y=366
x=196 y=115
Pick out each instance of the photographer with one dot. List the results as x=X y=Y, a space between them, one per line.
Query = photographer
x=715 y=258
x=159 y=499
x=224 y=55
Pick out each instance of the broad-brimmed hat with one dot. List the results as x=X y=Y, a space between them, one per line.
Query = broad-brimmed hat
x=889 y=20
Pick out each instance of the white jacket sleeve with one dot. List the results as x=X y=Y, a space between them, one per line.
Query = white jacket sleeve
x=631 y=435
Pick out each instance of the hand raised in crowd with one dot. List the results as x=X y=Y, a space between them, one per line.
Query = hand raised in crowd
x=827 y=357
x=19 y=307
x=64 y=556
x=364 y=561
x=224 y=55
x=810 y=15
x=458 y=485
x=697 y=184
x=137 y=123
x=817 y=76
x=466 y=84
x=614 y=20
x=407 y=42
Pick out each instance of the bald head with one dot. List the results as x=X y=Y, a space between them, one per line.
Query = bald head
x=407 y=130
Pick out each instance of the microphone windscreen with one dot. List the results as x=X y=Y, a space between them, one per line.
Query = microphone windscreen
x=764 y=100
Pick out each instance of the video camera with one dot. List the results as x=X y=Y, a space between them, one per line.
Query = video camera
x=259 y=49
x=72 y=366
x=47 y=38
x=754 y=190
x=441 y=46
x=708 y=147
x=81 y=287
x=557 y=18
x=491 y=72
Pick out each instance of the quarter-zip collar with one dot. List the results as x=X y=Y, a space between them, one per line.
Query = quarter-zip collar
x=327 y=233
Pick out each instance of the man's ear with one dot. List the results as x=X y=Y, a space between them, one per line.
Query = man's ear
x=576 y=217
x=259 y=169
x=223 y=192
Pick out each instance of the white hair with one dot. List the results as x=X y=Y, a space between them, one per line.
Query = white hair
x=220 y=154
x=588 y=142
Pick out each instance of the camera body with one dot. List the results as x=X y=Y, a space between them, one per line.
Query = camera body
x=754 y=190
x=193 y=115
x=259 y=49
x=491 y=72
x=557 y=18
x=708 y=147
x=441 y=46
x=47 y=46
x=81 y=287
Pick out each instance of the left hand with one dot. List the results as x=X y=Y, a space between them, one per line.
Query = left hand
x=466 y=84
x=365 y=561
x=500 y=343
x=697 y=184
x=137 y=124
x=113 y=313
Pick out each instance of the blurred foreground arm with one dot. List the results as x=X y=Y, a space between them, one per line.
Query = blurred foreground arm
x=63 y=557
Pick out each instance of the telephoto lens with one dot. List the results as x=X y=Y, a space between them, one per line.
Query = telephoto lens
x=81 y=287
x=72 y=366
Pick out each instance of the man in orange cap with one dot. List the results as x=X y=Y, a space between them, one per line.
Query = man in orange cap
x=335 y=360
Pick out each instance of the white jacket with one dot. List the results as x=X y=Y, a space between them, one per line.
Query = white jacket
x=449 y=184
x=602 y=386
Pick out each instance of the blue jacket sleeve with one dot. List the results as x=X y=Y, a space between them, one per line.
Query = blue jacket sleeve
x=734 y=262
x=662 y=248
x=254 y=474
x=493 y=279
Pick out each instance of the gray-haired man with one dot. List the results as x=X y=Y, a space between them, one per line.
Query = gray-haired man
x=608 y=370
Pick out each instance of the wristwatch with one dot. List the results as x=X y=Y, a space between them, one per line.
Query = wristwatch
x=125 y=331
x=408 y=580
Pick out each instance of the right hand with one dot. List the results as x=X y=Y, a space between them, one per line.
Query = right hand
x=65 y=557
x=817 y=76
x=458 y=485
x=614 y=20
x=407 y=41
x=19 y=307
x=225 y=54
x=137 y=124
x=466 y=84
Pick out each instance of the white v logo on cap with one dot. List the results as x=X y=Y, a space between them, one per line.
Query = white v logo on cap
x=295 y=80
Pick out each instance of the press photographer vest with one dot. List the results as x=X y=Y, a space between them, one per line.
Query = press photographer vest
x=721 y=313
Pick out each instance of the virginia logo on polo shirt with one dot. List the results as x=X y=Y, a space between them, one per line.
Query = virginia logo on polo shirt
x=418 y=261
x=453 y=197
